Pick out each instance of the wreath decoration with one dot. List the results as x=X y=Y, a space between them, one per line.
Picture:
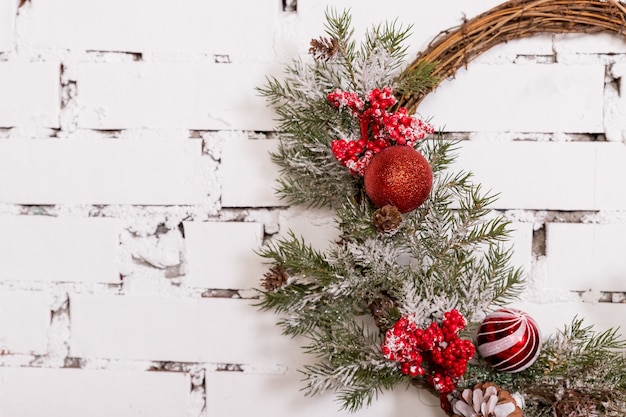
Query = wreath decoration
x=415 y=291
x=515 y=19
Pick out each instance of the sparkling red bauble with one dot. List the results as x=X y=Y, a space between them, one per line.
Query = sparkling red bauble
x=509 y=340
x=400 y=176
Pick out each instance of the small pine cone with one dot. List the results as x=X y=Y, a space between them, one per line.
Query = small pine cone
x=387 y=219
x=275 y=279
x=324 y=49
x=380 y=309
x=485 y=400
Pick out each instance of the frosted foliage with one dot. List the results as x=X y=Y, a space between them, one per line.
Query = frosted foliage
x=306 y=81
x=374 y=71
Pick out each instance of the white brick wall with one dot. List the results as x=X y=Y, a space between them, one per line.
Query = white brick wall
x=136 y=185
x=244 y=185
x=225 y=389
x=99 y=171
x=26 y=392
x=24 y=322
x=185 y=26
x=519 y=98
x=586 y=256
x=7 y=22
x=213 y=330
x=224 y=254
x=30 y=94
x=527 y=177
x=41 y=248
x=195 y=96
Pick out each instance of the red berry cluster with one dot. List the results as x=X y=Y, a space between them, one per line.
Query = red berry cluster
x=436 y=351
x=378 y=128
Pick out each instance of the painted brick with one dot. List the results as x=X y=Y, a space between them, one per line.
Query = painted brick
x=225 y=390
x=519 y=98
x=26 y=392
x=253 y=182
x=586 y=256
x=41 y=248
x=222 y=254
x=615 y=105
x=30 y=94
x=175 y=329
x=552 y=317
x=24 y=322
x=581 y=43
x=521 y=241
x=316 y=226
x=508 y=51
x=426 y=22
x=185 y=26
x=193 y=96
x=95 y=171
x=611 y=167
x=7 y=24
x=527 y=177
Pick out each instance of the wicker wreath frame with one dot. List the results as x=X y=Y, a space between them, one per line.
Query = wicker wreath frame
x=456 y=47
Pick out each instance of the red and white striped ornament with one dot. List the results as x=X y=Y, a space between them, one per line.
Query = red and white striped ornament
x=509 y=340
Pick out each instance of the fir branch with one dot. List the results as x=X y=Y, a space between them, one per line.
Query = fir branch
x=339 y=26
x=297 y=257
x=352 y=364
x=417 y=80
x=381 y=55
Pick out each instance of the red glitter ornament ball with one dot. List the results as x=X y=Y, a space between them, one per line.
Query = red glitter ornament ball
x=400 y=176
x=509 y=340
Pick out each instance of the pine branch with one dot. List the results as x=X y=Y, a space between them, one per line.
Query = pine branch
x=353 y=366
x=417 y=79
x=339 y=26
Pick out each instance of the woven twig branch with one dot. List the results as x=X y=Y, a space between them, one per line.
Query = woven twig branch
x=515 y=19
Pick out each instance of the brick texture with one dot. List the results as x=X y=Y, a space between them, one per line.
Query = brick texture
x=24 y=322
x=223 y=254
x=224 y=390
x=519 y=98
x=26 y=392
x=175 y=329
x=100 y=172
x=196 y=96
x=187 y=26
x=41 y=248
x=525 y=174
x=586 y=256
x=552 y=317
x=30 y=94
x=7 y=22
x=251 y=184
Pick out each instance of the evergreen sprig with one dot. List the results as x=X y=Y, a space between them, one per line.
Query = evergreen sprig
x=451 y=252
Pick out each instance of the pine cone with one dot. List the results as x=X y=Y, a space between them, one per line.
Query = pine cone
x=324 y=49
x=274 y=279
x=486 y=400
x=387 y=219
x=380 y=309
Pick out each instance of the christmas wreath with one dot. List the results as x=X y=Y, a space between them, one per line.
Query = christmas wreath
x=415 y=290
